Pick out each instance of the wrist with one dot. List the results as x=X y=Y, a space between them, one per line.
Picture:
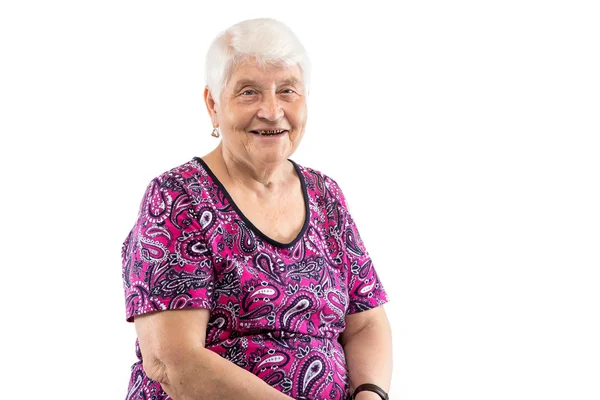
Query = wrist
x=367 y=395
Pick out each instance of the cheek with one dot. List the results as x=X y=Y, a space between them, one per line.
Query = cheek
x=238 y=118
x=298 y=116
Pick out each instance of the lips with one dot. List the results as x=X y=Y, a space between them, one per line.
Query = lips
x=269 y=132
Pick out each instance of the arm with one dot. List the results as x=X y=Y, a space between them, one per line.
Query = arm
x=367 y=343
x=172 y=345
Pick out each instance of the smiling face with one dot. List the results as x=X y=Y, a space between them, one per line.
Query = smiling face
x=261 y=113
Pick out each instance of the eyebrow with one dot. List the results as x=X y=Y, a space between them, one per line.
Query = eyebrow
x=290 y=82
x=245 y=82
x=249 y=82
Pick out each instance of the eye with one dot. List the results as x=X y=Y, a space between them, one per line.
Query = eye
x=287 y=91
x=248 y=92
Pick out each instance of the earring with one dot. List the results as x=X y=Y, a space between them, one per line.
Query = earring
x=215 y=133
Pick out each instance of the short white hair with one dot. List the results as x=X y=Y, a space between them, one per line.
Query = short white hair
x=269 y=41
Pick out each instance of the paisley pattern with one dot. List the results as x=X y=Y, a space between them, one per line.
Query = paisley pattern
x=277 y=309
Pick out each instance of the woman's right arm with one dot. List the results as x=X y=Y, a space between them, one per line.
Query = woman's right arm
x=172 y=344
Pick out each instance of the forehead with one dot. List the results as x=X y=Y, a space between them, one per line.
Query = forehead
x=249 y=71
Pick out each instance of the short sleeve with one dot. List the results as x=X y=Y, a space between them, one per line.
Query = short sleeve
x=365 y=289
x=166 y=263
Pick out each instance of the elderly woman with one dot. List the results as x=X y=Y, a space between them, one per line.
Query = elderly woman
x=245 y=274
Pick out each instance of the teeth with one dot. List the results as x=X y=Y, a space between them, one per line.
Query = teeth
x=276 y=132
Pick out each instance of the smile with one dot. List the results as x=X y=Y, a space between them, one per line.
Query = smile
x=269 y=132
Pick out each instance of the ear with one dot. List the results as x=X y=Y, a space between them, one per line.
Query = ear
x=211 y=106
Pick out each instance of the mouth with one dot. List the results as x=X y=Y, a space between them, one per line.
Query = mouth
x=273 y=132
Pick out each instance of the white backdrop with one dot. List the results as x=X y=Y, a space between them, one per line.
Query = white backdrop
x=464 y=134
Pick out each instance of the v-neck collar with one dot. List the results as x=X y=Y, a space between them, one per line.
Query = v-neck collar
x=248 y=222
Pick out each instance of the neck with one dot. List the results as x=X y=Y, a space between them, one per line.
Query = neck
x=258 y=177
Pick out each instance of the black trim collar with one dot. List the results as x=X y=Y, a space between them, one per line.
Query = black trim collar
x=249 y=223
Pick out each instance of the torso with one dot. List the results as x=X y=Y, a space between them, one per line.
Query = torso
x=276 y=308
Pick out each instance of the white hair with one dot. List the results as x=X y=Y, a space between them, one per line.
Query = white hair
x=269 y=41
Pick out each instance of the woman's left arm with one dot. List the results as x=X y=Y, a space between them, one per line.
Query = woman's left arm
x=367 y=344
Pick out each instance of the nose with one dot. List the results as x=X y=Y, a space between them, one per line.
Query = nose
x=270 y=109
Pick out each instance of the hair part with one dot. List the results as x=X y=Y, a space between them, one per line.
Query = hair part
x=268 y=41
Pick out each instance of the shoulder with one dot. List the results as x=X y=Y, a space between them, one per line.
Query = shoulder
x=181 y=172
x=322 y=184
x=177 y=179
x=171 y=191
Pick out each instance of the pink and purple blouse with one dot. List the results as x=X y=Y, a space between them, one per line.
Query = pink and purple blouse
x=276 y=309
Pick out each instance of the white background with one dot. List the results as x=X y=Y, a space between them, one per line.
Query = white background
x=464 y=134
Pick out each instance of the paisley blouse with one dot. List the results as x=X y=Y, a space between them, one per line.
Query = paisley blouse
x=276 y=309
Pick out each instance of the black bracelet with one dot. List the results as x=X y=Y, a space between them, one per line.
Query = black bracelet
x=372 y=388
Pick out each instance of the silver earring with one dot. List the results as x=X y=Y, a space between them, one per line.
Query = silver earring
x=215 y=133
